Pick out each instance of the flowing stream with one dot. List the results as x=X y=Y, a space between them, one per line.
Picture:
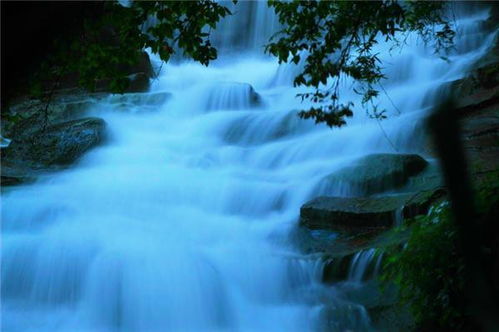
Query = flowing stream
x=180 y=222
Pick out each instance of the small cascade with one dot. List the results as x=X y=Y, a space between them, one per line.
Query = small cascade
x=377 y=265
x=231 y=96
x=4 y=142
x=398 y=217
x=361 y=262
x=249 y=28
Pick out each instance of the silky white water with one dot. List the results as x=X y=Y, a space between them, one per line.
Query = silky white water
x=180 y=221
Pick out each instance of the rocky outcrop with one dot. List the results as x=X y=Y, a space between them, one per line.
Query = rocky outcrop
x=376 y=173
x=49 y=148
x=28 y=116
x=360 y=214
x=478 y=104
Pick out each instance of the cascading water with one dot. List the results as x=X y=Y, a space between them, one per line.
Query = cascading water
x=360 y=264
x=180 y=221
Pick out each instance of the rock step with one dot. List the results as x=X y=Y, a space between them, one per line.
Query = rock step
x=375 y=173
x=364 y=213
x=50 y=148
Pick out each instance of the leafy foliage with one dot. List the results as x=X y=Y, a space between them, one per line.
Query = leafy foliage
x=429 y=271
x=334 y=40
x=110 y=43
x=181 y=24
x=337 y=38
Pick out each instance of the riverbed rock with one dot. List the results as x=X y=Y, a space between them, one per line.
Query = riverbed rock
x=360 y=214
x=55 y=146
x=375 y=173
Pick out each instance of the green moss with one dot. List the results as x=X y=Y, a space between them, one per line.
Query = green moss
x=429 y=269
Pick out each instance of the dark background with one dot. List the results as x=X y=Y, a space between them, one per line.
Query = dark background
x=28 y=32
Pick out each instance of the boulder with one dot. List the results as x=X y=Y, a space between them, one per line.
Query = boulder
x=26 y=115
x=48 y=148
x=143 y=66
x=375 y=173
x=15 y=174
x=139 y=82
x=429 y=179
x=361 y=214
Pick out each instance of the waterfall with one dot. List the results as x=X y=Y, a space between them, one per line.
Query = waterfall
x=180 y=222
x=362 y=263
x=248 y=29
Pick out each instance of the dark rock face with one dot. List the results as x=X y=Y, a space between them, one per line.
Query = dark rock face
x=478 y=104
x=138 y=76
x=143 y=66
x=377 y=173
x=360 y=214
x=139 y=82
x=55 y=146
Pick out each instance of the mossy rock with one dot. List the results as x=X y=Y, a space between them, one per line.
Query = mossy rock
x=50 y=148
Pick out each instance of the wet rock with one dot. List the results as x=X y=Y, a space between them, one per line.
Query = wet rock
x=12 y=175
x=147 y=101
x=375 y=173
x=429 y=179
x=481 y=141
x=56 y=145
x=27 y=116
x=361 y=214
x=478 y=107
